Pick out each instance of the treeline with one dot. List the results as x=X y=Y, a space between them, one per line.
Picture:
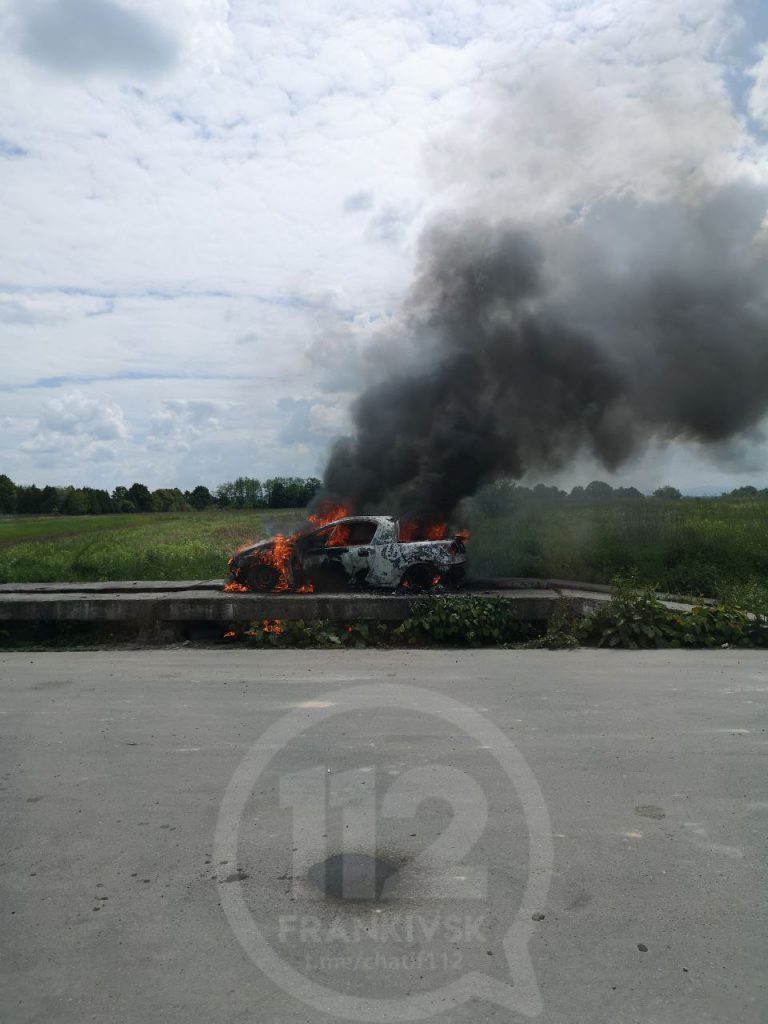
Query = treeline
x=503 y=495
x=243 y=493
x=279 y=492
x=292 y=492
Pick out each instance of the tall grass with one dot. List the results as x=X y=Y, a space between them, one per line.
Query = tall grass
x=14 y=529
x=715 y=547
x=152 y=547
x=692 y=546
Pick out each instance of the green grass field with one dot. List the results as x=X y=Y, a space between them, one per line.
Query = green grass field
x=17 y=529
x=155 y=546
x=689 y=546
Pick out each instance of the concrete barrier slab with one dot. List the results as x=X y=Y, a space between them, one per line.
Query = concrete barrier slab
x=197 y=606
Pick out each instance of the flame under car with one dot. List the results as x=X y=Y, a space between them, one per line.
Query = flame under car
x=355 y=551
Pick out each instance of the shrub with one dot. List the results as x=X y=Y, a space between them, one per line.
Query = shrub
x=563 y=629
x=635 y=618
x=465 y=621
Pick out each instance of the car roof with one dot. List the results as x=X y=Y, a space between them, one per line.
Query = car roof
x=354 y=519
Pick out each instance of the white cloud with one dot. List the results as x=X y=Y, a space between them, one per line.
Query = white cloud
x=75 y=415
x=758 y=99
x=183 y=230
x=181 y=422
x=73 y=425
x=312 y=422
x=639 y=107
x=328 y=419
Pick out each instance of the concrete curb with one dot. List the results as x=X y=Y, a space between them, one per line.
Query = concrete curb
x=202 y=606
x=152 y=604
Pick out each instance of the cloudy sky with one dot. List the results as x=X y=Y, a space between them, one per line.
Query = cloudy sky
x=209 y=206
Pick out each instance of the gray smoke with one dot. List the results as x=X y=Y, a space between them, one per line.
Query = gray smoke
x=528 y=347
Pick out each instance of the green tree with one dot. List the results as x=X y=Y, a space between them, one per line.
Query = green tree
x=598 y=490
x=275 y=491
x=74 y=502
x=169 y=499
x=141 y=498
x=289 y=491
x=121 y=501
x=748 y=491
x=28 y=500
x=49 y=500
x=224 y=495
x=245 y=492
x=667 y=493
x=200 y=498
x=98 y=501
x=8 y=494
x=253 y=495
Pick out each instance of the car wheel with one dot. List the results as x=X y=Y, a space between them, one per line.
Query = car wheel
x=419 y=577
x=262 y=578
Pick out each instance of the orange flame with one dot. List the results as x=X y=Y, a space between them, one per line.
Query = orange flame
x=279 y=555
x=340 y=536
x=328 y=511
x=419 y=529
x=279 y=558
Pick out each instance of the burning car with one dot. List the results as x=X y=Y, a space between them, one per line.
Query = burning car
x=353 y=551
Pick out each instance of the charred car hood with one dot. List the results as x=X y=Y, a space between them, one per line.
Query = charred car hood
x=245 y=553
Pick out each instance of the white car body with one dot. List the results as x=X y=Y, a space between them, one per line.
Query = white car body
x=363 y=551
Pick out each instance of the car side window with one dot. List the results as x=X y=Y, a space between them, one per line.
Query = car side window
x=351 y=534
x=361 y=533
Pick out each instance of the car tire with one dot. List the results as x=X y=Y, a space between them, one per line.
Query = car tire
x=262 y=578
x=419 y=577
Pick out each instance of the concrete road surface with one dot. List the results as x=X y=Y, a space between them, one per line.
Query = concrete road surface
x=239 y=836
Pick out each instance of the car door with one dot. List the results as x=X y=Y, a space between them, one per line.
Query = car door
x=312 y=551
x=354 y=540
x=385 y=558
x=339 y=553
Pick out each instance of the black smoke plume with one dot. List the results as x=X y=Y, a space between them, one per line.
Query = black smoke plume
x=521 y=349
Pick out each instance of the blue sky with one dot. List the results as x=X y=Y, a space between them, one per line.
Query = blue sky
x=209 y=207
